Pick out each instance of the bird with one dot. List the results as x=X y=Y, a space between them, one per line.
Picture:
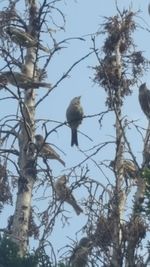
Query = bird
x=130 y=169
x=45 y=150
x=21 y=80
x=74 y=115
x=64 y=193
x=24 y=39
x=144 y=99
x=79 y=257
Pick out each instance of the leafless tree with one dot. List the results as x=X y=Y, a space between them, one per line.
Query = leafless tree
x=112 y=235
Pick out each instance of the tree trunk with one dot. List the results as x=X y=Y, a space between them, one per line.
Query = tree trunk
x=26 y=160
x=119 y=194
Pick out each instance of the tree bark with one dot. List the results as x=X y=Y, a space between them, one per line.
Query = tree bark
x=119 y=194
x=26 y=162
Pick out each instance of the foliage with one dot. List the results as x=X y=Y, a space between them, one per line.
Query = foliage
x=9 y=256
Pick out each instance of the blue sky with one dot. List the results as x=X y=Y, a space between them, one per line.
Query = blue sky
x=82 y=19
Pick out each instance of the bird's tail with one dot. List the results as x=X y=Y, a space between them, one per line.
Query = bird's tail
x=74 y=204
x=42 y=84
x=43 y=48
x=77 y=208
x=29 y=85
x=62 y=162
x=74 y=137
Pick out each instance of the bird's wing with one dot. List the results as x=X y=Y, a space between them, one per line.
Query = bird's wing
x=23 y=38
x=63 y=191
x=74 y=113
x=130 y=165
x=144 y=99
x=79 y=257
x=48 y=150
x=148 y=98
x=23 y=34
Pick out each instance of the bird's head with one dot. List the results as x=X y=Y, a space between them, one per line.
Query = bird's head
x=63 y=179
x=85 y=242
x=39 y=138
x=76 y=100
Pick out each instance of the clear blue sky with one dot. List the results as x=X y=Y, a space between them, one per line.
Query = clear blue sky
x=82 y=18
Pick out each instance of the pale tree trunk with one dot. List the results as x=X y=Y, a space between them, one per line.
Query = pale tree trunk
x=119 y=192
x=139 y=196
x=117 y=72
x=137 y=221
x=26 y=161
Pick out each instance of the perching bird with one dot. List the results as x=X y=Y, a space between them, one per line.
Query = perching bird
x=144 y=99
x=64 y=193
x=21 y=80
x=24 y=39
x=79 y=257
x=74 y=115
x=130 y=169
x=45 y=150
